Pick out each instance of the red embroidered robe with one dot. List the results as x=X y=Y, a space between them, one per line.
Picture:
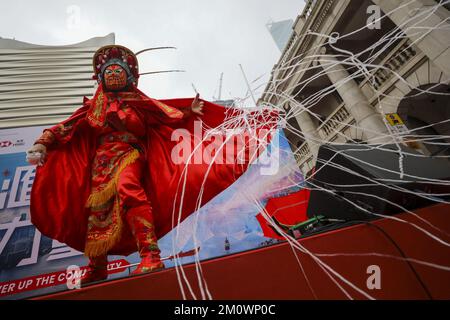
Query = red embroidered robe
x=74 y=186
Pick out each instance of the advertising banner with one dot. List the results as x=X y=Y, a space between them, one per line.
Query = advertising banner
x=32 y=264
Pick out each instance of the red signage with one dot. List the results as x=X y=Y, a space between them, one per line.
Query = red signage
x=51 y=279
x=4 y=144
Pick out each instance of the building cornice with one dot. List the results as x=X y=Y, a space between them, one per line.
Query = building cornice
x=92 y=42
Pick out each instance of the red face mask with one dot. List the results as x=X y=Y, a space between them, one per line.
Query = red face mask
x=115 y=78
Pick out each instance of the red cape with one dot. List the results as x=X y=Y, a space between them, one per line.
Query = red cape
x=62 y=186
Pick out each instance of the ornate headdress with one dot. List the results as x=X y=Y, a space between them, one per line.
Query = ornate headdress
x=115 y=54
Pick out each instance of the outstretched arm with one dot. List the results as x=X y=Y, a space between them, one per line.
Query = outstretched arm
x=197 y=105
x=58 y=134
x=166 y=110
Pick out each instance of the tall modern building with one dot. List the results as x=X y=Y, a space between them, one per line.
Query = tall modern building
x=42 y=85
x=281 y=32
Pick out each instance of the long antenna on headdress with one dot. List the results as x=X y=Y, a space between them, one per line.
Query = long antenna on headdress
x=161 y=71
x=154 y=48
x=195 y=89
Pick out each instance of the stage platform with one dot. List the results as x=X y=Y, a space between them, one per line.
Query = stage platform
x=411 y=265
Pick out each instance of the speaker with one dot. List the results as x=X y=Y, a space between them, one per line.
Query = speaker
x=356 y=181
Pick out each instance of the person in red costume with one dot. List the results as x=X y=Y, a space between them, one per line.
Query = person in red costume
x=106 y=182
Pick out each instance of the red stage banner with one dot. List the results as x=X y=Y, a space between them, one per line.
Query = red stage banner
x=51 y=279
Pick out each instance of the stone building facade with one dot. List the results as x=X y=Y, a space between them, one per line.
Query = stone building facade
x=345 y=71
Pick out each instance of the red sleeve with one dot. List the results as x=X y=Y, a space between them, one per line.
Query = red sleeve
x=47 y=138
x=63 y=131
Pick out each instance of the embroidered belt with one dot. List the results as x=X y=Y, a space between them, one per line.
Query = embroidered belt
x=118 y=137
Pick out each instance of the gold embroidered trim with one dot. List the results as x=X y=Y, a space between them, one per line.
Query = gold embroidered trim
x=99 y=198
x=99 y=247
x=96 y=115
x=169 y=111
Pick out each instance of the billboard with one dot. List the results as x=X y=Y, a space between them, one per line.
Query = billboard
x=32 y=264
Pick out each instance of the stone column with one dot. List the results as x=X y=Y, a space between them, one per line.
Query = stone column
x=309 y=130
x=434 y=43
x=368 y=120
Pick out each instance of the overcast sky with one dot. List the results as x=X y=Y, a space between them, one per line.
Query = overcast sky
x=211 y=36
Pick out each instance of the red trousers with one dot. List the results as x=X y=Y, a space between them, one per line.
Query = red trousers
x=137 y=208
x=127 y=203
